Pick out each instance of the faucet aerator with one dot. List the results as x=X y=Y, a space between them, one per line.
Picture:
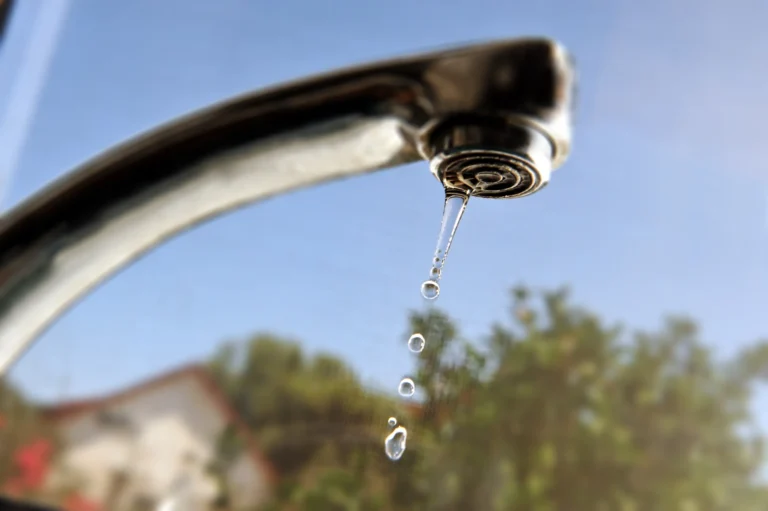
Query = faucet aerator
x=490 y=158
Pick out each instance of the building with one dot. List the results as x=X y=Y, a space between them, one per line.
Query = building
x=154 y=443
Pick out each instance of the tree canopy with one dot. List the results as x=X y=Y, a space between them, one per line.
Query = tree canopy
x=553 y=410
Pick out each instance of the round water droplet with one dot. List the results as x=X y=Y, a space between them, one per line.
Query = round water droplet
x=406 y=387
x=416 y=343
x=394 y=444
x=434 y=273
x=392 y=422
x=430 y=289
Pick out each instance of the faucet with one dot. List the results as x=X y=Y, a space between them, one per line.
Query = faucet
x=493 y=120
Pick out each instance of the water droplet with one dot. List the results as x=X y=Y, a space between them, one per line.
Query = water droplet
x=453 y=210
x=434 y=273
x=406 y=387
x=394 y=444
x=416 y=343
x=392 y=422
x=430 y=289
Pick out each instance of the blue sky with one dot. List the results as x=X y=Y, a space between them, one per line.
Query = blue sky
x=661 y=209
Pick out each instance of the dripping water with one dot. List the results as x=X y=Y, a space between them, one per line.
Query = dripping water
x=416 y=343
x=453 y=210
x=394 y=445
x=406 y=387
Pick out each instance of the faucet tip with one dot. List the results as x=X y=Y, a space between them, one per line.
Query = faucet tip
x=490 y=158
x=488 y=173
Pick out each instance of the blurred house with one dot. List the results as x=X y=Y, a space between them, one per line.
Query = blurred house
x=154 y=443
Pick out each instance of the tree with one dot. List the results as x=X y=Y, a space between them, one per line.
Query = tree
x=552 y=411
x=561 y=411
x=316 y=423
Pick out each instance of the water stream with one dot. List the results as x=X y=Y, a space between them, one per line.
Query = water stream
x=453 y=209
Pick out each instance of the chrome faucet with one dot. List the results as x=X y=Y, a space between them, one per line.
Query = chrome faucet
x=493 y=120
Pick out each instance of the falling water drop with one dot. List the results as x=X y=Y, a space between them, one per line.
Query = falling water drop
x=406 y=387
x=453 y=210
x=416 y=343
x=430 y=289
x=394 y=444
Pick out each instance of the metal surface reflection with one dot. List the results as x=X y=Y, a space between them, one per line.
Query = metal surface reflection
x=67 y=239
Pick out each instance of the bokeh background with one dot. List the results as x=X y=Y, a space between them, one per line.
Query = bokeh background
x=298 y=309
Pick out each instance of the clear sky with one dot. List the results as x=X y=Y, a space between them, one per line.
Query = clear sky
x=661 y=209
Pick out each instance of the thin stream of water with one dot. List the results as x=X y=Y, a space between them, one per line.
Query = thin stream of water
x=453 y=210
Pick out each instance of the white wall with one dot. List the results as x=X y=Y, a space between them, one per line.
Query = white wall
x=247 y=485
x=175 y=421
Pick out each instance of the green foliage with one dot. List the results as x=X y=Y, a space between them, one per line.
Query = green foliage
x=554 y=411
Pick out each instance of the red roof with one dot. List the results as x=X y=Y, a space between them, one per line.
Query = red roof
x=68 y=410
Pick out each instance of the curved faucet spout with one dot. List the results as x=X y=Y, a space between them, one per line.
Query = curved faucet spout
x=509 y=101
